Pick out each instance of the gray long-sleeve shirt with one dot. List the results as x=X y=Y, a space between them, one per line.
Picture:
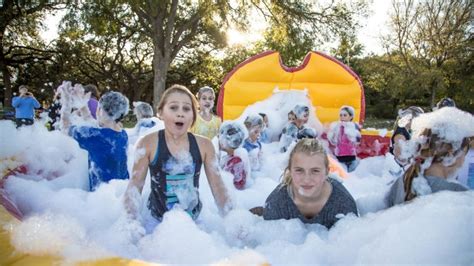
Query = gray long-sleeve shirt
x=279 y=205
x=397 y=194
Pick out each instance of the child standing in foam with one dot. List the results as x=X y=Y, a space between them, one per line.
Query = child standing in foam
x=254 y=125
x=207 y=124
x=174 y=157
x=345 y=136
x=145 y=117
x=104 y=139
x=234 y=159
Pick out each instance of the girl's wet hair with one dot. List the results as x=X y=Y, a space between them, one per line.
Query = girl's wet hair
x=253 y=120
x=310 y=147
x=299 y=110
x=410 y=112
x=92 y=89
x=349 y=109
x=435 y=148
x=178 y=89
x=204 y=89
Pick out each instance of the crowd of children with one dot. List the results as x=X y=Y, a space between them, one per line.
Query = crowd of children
x=175 y=154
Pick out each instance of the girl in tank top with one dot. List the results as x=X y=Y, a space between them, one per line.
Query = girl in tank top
x=174 y=157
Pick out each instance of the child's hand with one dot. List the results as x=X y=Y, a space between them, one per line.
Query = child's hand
x=64 y=91
x=79 y=98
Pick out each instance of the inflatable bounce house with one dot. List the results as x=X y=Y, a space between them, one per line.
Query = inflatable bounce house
x=329 y=83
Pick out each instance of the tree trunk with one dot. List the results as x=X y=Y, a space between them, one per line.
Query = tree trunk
x=434 y=84
x=160 y=70
x=7 y=83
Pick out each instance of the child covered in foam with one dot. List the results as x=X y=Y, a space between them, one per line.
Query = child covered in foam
x=145 y=118
x=104 y=139
x=296 y=128
x=436 y=152
x=233 y=158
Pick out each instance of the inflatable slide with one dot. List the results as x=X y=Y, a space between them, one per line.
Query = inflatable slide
x=329 y=83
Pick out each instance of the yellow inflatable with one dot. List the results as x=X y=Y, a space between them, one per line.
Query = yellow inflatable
x=330 y=85
x=10 y=256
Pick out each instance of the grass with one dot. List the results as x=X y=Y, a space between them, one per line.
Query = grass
x=374 y=122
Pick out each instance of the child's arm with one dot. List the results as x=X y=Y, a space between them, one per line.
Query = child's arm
x=359 y=135
x=16 y=102
x=332 y=133
x=135 y=186
x=211 y=168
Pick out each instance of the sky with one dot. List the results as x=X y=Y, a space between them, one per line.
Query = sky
x=368 y=35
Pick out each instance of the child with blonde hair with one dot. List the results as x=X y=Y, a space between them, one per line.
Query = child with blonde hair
x=307 y=192
x=207 y=124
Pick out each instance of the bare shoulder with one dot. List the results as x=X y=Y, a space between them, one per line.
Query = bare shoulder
x=205 y=146
x=203 y=142
x=149 y=139
x=148 y=142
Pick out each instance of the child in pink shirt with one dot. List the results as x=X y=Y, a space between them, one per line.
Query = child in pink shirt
x=345 y=136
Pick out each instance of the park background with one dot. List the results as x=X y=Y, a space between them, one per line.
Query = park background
x=406 y=52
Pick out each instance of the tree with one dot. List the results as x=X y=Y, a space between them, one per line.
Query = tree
x=348 y=50
x=19 y=38
x=297 y=27
x=428 y=35
x=175 y=28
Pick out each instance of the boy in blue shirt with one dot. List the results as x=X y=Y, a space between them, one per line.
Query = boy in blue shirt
x=25 y=106
x=106 y=143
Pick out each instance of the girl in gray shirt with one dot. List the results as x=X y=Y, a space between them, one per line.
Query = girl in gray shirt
x=307 y=193
x=442 y=140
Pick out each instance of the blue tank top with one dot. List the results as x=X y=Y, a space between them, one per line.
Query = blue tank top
x=175 y=180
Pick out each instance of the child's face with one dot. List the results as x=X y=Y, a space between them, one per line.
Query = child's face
x=254 y=132
x=308 y=173
x=177 y=113
x=265 y=121
x=206 y=101
x=302 y=120
x=291 y=118
x=344 y=116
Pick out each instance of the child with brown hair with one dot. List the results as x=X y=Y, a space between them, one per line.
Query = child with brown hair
x=345 y=136
x=174 y=157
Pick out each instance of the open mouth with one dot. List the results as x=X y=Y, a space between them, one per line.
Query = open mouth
x=179 y=124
